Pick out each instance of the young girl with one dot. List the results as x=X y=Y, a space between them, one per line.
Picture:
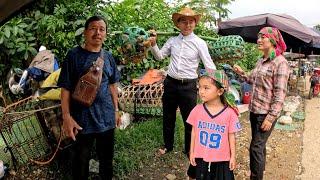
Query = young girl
x=214 y=124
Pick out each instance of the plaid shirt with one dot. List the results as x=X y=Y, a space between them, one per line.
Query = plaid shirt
x=269 y=79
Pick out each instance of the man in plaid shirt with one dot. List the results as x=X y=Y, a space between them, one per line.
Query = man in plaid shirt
x=269 y=80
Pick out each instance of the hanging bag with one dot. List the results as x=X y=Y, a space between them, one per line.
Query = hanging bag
x=88 y=85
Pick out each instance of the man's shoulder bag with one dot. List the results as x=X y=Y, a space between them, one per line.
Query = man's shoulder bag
x=88 y=85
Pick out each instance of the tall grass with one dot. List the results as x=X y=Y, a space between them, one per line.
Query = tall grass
x=136 y=145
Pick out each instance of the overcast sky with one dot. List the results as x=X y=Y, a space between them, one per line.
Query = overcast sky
x=306 y=11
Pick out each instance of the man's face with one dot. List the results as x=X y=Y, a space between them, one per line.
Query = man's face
x=186 y=25
x=95 y=34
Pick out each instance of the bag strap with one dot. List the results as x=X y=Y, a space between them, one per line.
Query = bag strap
x=101 y=55
x=100 y=61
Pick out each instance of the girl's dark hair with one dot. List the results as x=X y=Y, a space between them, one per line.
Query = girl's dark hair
x=94 y=18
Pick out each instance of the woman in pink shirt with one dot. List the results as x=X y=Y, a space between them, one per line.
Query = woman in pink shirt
x=214 y=124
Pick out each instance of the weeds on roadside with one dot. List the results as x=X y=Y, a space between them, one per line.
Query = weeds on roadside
x=136 y=145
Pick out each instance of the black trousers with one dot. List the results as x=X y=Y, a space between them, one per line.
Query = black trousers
x=82 y=154
x=258 y=146
x=213 y=170
x=182 y=94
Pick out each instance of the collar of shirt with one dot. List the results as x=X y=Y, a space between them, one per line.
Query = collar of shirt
x=189 y=37
x=264 y=59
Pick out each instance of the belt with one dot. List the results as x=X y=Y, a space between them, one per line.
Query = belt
x=181 y=81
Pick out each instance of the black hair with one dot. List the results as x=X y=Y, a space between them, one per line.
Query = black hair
x=94 y=18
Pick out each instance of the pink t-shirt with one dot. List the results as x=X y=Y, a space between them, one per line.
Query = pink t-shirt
x=211 y=141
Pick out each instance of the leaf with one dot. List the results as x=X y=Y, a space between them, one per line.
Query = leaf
x=145 y=60
x=37 y=15
x=79 y=31
x=32 y=44
x=20 y=39
x=31 y=38
x=26 y=55
x=20 y=49
x=1 y=40
x=146 y=65
x=21 y=31
x=15 y=30
x=23 y=25
x=32 y=50
x=12 y=51
x=7 y=32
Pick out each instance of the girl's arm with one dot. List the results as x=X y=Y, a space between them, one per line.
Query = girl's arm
x=191 y=153
x=232 y=145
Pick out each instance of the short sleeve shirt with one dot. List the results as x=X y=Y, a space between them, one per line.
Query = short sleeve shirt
x=100 y=116
x=212 y=132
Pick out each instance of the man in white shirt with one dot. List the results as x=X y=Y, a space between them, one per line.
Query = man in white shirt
x=180 y=86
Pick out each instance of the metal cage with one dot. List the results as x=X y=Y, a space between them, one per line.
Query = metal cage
x=26 y=128
x=142 y=99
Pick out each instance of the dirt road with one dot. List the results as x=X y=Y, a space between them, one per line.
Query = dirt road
x=311 y=141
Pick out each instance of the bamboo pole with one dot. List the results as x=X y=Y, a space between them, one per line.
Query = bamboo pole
x=167 y=34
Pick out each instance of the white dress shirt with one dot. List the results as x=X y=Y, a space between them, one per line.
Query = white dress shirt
x=185 y=53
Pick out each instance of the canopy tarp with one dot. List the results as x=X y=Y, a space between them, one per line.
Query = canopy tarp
x=9 y=8
x=298 y=37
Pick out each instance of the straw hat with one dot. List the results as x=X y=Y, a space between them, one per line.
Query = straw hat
x=185 y=12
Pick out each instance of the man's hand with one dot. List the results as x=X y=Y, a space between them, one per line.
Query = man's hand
x=153 y=37
x=118 y=119
x=70 y=126
x=266 y=125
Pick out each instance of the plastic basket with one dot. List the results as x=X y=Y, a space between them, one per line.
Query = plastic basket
x=227 y=48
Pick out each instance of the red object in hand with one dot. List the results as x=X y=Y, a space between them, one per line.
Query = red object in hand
x=246 y=98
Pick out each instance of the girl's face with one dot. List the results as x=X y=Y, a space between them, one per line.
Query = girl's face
x=208 y=91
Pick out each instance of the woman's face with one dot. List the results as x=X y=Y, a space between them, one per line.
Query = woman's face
x=264 y=43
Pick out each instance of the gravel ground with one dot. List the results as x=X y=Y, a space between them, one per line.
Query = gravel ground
x=311 y=142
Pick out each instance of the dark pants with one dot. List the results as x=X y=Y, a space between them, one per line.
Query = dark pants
x=82 y=154
x=182 y=94
x=214 y=170
x=258 y=146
